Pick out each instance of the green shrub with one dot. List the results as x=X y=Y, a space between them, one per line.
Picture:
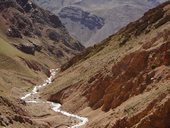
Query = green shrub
x=153 y=66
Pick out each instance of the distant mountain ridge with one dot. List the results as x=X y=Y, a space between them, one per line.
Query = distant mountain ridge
x=114 y=14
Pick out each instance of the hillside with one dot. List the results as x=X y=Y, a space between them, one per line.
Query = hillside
x=125 y=80
x=106 y=16
x=39 y=29
x=32 y=41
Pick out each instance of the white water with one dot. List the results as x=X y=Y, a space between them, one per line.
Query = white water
x=32 y=97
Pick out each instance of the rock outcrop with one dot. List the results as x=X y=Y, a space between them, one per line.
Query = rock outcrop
x=6 y=120
x=26 y=21
x=19 y=115
x=27 y=48
x=85 y=18
x=36 y=66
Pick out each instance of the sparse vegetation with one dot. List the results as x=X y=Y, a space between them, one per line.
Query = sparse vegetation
x=154 y=66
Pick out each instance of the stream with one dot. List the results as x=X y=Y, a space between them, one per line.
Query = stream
x=33 y=97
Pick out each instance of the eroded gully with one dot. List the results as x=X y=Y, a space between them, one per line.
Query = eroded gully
x=32 y=97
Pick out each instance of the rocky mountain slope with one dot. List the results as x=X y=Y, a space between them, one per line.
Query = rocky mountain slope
x=39 y=29
x=32 y=41
x=106 y=16
x=125 y=80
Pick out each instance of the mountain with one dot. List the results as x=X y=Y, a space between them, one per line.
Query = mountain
x=32 y=41
x=37 y=28
x=124 y=81
x=106 y=16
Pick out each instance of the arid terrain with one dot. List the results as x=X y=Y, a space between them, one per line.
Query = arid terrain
x=91 y=21
x=125 y=80
x=32 y=41
x=122 y=82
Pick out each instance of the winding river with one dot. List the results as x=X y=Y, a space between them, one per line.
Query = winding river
x=32 y=97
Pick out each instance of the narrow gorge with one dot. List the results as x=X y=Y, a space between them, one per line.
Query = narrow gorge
x=33 y=97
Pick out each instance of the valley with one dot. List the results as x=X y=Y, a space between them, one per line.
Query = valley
x=33 y=97
x=106 y=16
x=48 y=79
x=123 y=81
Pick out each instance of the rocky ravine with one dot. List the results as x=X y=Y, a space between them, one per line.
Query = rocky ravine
x=32 y=41
x=125 y=80
x=33 y=97
x=35 y=30
x=122 y=82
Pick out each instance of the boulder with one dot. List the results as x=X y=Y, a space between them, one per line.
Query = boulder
x=14 y=32
x=27 y=48
x=54 y=36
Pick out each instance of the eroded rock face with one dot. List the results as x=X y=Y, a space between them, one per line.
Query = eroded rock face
x=27 y=48
x=80 y=23
x=13 y=114
x=155 y=115
x=154 y=18
x=85 y=18
x=133 y=90
x=19 y=115
x=30 y=46
x=25 y=21
x=36 y=66
x=135 y=74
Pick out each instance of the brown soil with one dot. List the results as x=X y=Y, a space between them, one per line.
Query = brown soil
x=125 y=80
